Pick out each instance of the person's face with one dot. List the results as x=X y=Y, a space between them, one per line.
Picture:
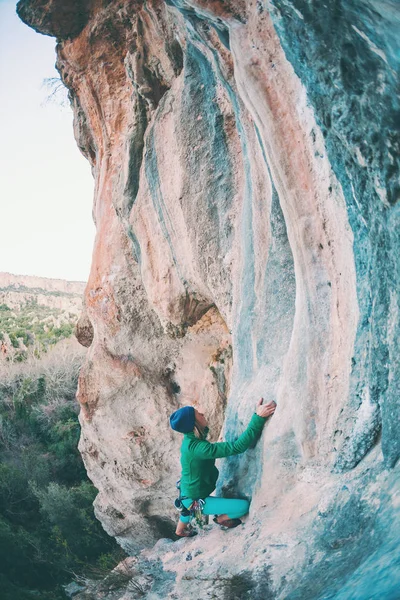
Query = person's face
x=201 y=421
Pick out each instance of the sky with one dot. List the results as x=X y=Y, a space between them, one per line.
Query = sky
x=46 y=185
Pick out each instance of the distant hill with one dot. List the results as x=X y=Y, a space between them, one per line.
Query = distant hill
x=35 y=313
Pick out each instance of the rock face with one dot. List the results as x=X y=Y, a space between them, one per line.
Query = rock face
x=246 y=166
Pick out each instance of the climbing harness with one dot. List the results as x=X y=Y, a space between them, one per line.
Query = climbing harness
x=178 y=501
x=194 y=511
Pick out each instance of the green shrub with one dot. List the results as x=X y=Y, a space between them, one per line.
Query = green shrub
x=34 y=324
x=48 y=530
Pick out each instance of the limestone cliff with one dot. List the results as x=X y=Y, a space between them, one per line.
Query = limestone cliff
x=45 y=284
x=18 y=290
x=246 y=164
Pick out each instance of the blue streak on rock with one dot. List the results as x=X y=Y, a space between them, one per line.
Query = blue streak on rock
x=153 y=180
x=136 y=250
x=209 y=163
x=136 y=146
x=223 y=34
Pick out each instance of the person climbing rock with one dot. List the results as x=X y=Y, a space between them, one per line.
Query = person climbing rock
x=199 y=473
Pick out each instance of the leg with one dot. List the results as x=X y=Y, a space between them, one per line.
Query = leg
x=183 y=519
x=234 y=508
x=183 y=528
x=228 y=509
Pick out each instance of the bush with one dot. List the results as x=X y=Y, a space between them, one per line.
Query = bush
x=48 y=531
x=39 y=327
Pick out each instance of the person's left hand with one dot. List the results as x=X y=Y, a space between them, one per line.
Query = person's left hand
x=265 y=410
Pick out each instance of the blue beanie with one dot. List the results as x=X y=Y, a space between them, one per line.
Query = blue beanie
x=183 y=420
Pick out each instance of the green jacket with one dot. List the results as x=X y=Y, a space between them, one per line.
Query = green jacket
x=199 y=473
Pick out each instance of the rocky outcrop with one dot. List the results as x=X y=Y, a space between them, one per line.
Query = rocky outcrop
x=51 y=17
x=84 y=331
x=17 y=298
x=20 y=283
x=245 y=157
x=18 y=290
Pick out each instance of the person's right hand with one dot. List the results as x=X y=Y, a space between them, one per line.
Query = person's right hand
x=265 y=410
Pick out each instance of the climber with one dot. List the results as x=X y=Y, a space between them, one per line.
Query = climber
x=199 y=473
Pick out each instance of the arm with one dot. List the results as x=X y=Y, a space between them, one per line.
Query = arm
x=205 y=450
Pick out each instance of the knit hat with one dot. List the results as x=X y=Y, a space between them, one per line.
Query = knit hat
x=183 y=420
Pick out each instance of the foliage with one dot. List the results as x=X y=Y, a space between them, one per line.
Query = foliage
x=48 y=532
x=34 y=326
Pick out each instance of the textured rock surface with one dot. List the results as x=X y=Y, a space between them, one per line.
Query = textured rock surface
x=245 y=157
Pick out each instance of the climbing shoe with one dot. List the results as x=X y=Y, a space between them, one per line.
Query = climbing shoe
x=188 y=532
x=229 y=523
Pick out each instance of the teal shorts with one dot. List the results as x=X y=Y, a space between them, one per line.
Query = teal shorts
x=233 y=507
